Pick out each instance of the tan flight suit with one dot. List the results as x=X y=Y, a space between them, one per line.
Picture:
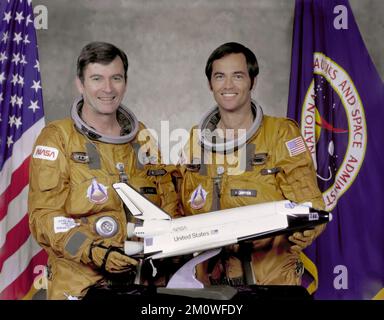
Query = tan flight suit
x=270 y=174
x=65 y=187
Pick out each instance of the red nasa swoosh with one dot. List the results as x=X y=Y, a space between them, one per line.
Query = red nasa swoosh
x=325 y=125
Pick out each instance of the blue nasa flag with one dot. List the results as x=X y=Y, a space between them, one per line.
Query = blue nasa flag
x=337 y=97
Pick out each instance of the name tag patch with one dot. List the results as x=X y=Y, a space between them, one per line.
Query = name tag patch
x=156 y=173
x=243 y=193
x=193 y=167
x=259 y=158
x=45 y=153
x=80 y=157
x=265 y=172
x=148 y=190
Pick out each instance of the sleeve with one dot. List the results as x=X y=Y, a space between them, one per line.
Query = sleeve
x=49 y=183
x=297 y=178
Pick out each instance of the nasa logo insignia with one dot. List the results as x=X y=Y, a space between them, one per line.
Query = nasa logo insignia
x=97 y=192
x=198 y=198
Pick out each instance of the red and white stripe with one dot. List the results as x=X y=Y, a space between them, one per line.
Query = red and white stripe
x=19 y=253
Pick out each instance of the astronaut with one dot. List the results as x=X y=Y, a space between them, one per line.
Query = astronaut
x=238 y=156
x=74 y=213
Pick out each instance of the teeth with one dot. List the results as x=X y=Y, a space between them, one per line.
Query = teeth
x=229 y=94
x=106 y=98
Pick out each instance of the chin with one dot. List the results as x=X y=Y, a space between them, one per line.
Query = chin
x=108 y=109
x=228 y=107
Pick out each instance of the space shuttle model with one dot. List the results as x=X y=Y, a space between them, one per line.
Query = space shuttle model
x=167 y=237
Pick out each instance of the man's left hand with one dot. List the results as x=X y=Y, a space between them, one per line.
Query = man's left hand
x=304 y=239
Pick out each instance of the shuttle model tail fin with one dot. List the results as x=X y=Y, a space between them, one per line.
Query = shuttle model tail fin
x=138 y=205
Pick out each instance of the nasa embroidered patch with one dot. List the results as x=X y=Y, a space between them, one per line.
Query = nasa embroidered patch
x=198 y=198
x=45 y=153
x=97 y=192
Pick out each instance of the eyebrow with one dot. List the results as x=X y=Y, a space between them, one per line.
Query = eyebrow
x=221 y=73
x=99 y=75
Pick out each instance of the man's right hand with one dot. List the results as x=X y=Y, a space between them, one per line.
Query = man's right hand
x=109 y=257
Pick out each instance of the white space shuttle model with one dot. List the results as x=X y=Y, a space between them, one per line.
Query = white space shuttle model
x=167 y=237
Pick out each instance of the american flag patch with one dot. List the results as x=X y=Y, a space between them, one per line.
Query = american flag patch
x=295 y=146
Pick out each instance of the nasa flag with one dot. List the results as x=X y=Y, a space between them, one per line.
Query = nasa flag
x=337 y=97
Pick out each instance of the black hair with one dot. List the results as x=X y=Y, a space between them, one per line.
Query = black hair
x=229 y=48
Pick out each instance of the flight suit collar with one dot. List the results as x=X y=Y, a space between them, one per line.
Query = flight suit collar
x=126 y=118
x=209 y=141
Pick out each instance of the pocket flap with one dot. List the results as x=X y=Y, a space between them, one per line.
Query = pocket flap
x=48 y=178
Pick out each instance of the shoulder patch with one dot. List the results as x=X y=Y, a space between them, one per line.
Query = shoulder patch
x=295 y=146
x=45 y=153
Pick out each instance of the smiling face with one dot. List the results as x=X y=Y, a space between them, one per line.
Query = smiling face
x=103 y=87
x=230 y=83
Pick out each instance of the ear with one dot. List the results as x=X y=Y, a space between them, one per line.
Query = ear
x=79 y=85
x=254 y=84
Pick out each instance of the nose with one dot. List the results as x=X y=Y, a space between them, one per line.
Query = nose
x=107 y=85
x=228 y=83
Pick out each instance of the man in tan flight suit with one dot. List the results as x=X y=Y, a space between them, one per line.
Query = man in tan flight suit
x=74 y=213
x=238 y=156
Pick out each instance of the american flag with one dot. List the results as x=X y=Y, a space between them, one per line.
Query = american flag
x=295 y=146
x=21 y=119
